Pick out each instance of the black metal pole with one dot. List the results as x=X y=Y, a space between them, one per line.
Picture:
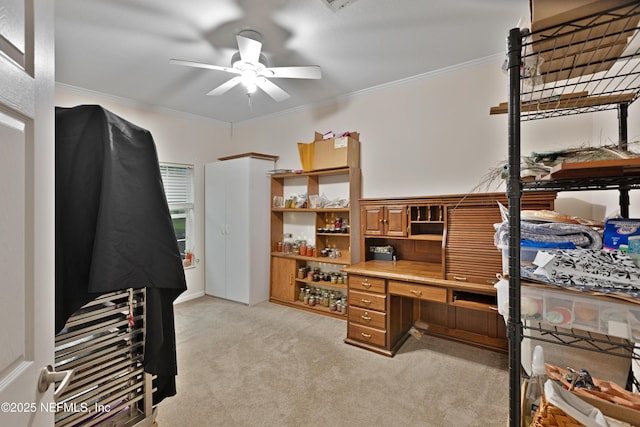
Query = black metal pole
x=514 y=189
x=622 y=144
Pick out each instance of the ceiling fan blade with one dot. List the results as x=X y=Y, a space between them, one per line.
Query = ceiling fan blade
x=306 y=72
x=225 y=86
x=202 y=65
x=249 y=49
x=272 y=89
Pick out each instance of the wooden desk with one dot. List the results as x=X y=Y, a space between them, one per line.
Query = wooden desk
x=386 y=298
x=444 y=276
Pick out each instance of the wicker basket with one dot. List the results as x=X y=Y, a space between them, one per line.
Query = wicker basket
x=549 y=415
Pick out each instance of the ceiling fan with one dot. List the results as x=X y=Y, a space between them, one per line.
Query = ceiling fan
x=252 y=70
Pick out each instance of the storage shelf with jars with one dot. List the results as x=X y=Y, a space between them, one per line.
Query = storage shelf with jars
x=322 y=298
x=314 y=221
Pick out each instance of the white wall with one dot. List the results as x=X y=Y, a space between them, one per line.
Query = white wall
x=429 y=135
x=423 y=136
x=433 y=135
x=179 y=138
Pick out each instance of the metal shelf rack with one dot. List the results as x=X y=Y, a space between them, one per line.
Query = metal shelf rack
x=586 y=64
x=103 y=342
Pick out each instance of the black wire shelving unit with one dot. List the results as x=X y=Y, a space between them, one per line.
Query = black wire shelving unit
x=583 y=65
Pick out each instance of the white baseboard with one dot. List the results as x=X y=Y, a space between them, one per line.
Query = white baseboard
x=188 y=297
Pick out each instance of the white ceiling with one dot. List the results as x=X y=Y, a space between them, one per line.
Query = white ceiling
x=123 y=47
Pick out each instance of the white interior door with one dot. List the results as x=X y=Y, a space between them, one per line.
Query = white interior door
x=238 y=241
x=27 y=214
x=215 y=229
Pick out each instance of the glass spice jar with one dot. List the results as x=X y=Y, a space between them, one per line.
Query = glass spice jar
x=332 y=298
x=325 y=299
x=312 y=300
x=337 y=225
x=303 y=248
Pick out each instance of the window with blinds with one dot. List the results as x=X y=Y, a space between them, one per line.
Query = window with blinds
x=178 y=187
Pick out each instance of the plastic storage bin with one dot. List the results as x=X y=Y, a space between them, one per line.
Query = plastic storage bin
x=527 y=255
x=569 y=309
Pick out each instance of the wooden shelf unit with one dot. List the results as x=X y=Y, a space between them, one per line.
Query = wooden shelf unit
x=306 y=223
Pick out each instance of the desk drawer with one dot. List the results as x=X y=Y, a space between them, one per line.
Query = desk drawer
x=367 y=300
x=366 y=334
x=413 y=290
x=375 y=319
x=368 y=284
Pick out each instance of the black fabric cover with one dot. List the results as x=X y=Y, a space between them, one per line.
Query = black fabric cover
x=113 y=227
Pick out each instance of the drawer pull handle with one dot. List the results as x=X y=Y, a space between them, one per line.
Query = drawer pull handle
x=365 y=317
x=366 y=301
x=460 y=278
x=366 y=285
x=367 y=336
x=416 y=293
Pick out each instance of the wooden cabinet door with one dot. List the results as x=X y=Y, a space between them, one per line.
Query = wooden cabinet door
x=395 y=221
x=283 y=284
x=372 y=220
x=381 y=220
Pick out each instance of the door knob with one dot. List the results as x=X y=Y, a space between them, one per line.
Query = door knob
x=48 y=375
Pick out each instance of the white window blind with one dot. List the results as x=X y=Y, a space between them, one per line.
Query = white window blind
x=178 y=185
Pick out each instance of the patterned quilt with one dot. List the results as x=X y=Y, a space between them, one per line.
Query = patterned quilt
x=606 y=271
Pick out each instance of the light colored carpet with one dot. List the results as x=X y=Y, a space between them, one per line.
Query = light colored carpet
x=270 y=365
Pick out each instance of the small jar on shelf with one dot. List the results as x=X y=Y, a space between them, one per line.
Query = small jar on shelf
x=325 y=298
x=287 y=243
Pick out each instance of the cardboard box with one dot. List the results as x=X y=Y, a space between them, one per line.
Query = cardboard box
x=617 y=232
x=330 y=153
x=569 y=51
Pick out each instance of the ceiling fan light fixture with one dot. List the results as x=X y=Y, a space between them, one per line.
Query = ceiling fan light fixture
x=249 y=77
x=251 y=69
x=251 y=89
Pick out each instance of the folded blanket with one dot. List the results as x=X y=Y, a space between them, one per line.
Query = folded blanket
x=581 y=236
